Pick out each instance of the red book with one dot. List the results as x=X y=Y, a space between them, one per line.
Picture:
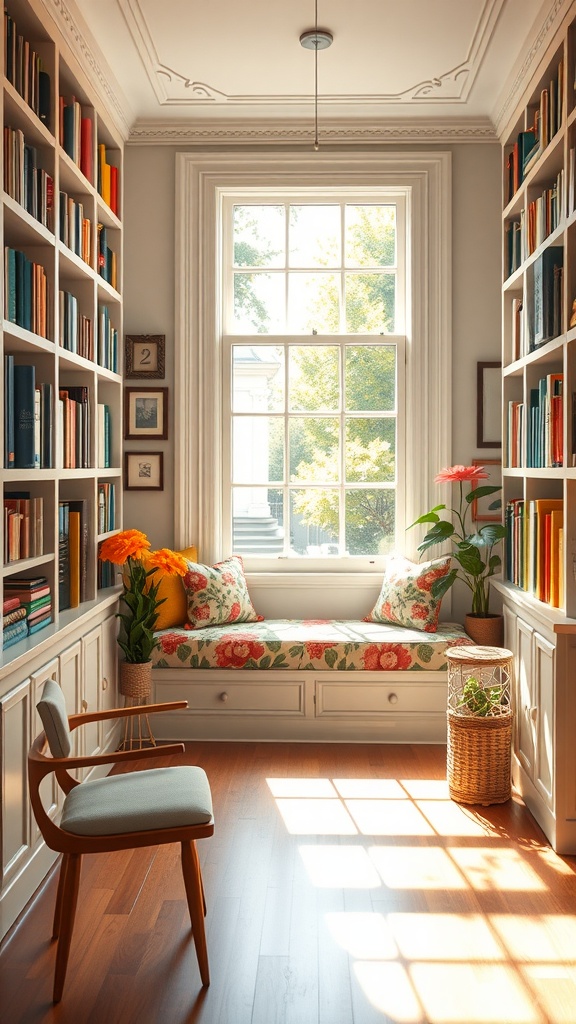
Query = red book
x=86 y=149
x=9 y=603
x=114 y=189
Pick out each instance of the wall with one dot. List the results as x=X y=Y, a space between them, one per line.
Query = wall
x=149 y=299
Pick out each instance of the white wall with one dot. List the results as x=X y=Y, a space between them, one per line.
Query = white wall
x=149 y=299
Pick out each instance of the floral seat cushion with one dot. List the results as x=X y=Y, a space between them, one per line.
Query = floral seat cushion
x=308 y=644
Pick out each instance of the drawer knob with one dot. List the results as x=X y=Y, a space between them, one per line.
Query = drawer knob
x=84 y=706
x=224 y=697
x=392 y=698
x=104 y=683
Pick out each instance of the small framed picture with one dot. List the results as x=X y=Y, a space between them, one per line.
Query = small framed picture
x=144 y=471
x=144 y=356
x=146 y=414
x=489 y=405
x=481 y=511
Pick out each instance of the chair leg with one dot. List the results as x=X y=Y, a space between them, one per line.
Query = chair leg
x=67 y=913
x=195 y=897
x=59 y=896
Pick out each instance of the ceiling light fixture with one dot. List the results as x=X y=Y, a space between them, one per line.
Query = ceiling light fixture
x=316 y=39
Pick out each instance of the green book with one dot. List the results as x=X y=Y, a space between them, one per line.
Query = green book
x=32 y=606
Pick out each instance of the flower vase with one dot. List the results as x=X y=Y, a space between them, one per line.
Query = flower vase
x=136 y=679
x=485 y=630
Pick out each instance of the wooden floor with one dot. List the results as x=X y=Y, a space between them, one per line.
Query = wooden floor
x=343 y=887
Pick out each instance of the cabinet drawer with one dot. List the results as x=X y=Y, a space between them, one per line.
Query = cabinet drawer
x=335 y=698
x=253 y=697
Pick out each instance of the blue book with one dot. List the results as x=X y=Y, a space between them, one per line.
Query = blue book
x=24 y=401
x=39 y=625
x=9 y=412
x=10 y=284
x=13 y=634
x=20 y=287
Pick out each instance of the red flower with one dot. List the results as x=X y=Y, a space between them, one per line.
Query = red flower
x=316 y=649
x=170 y=642
x=314 y=622
x=386 y=611
x=454 y=473
x=234 y=611
x=236 y=649
x=386 y=658
x=195 y=581
x=419 y=611
x=202 y=611
x=228 y=577
x=425 y=581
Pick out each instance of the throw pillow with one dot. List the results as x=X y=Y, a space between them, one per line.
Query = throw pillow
x=218 y=594
x=173 y=611
x=405 y=598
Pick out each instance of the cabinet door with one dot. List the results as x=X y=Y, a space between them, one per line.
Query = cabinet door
x=91 y=689
x=109 y=673
x=16 y=718
x=525 y=707
x=543 y=674
x=50 y=791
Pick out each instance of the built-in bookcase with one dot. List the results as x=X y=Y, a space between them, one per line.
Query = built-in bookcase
x=539 y=432
x=62 y=307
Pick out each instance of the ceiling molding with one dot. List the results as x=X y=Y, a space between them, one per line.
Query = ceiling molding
x=529 y=63
x=273 y=132
x=92 y=64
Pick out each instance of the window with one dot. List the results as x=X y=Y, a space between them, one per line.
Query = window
x=313 y=302
x=212 y=340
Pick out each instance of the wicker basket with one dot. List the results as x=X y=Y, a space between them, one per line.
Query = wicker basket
x=479 y=758
x=135 y=679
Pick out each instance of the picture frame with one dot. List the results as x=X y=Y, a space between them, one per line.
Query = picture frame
x=488 y=405
x=145 y=414
x=144 y=356
x=480 y=508
x=144 y=471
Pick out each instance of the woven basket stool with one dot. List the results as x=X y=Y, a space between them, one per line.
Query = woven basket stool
x=479 y=749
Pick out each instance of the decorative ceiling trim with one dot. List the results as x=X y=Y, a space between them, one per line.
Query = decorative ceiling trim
x=173 y=88
x=272 y=132
x=529 y=63
x=91 y=63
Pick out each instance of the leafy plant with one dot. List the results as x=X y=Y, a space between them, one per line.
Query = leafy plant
x=480 y=700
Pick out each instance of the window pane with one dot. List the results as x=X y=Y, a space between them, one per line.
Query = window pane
x=314 y=450
x=257 y=449
x=257 y=378
x=313 y=303
x=258 y=303
x=314 y=236
x=370 y=522
x=314 y=522
x=370 y=378
x=259 y=236
x=370 y=236
x=313 y=378
x=370 y=450
x=370 y=303
x=258 y=521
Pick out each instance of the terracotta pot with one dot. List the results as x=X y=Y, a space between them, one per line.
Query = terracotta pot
x=135 y=679
x=486 y=630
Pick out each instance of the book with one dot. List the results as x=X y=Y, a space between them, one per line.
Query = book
x=9 y=412
x=546 y=300
x=36 y=626
x=24 y=402
x=13 y=634
x=39 y=614
x=37 y=603
x=26 y=594
x=539 y=508
x=556 y=519
x=86 y=149
x=63 y=555
x=14 y=616
x=80 y=508
x=9 y=604
x=74 y=557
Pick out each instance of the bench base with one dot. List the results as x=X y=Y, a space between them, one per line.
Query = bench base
x=395 y=707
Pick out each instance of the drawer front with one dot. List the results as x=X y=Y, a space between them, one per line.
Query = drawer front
x=349 y=698
x=256 y=697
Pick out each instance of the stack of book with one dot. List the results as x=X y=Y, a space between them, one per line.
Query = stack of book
x=76 y=134
x=107 y=340
x=535 y=547
x=73 y=546
x=23 y=526
x=75 y=228
x=28 y=415
x=23 y=69
x=26 y=292
x=25 y=180
x=35 y=597
x=14 y=623
x=107 y=180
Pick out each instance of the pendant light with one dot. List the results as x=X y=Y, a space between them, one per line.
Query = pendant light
x=316 y=39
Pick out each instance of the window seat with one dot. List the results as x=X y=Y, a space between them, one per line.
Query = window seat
x=305 y=679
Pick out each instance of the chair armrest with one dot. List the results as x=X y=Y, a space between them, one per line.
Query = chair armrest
x=140 y=709
x=112 y=757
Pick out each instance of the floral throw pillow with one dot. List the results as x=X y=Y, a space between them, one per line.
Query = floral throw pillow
x=406 y=595
x=217 y=594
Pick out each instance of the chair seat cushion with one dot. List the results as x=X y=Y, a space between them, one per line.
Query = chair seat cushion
x=139 y=802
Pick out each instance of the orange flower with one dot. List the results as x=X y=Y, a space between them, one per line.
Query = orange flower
x=124 y=545
x=454 y=473
x=169 y=561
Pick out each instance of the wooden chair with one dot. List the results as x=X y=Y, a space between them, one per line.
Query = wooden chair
x=119 y=812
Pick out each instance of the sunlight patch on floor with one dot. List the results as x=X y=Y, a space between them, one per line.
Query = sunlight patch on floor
x=539 y=939
x=554 y=988
x=370 y=789
x=477 y=994
x=340 y=867
x=393 y=818
x=389 y=989
x=316 y=817
x=301 y=787
x=365 y=936
x=416 y=867
x=426 y=789
x=450 y=819
x=444 y=937
x=500 y=869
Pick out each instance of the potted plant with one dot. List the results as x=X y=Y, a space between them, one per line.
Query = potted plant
x=131 y=550
x=472 y=549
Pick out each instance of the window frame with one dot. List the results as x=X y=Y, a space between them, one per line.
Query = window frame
x=202 y=180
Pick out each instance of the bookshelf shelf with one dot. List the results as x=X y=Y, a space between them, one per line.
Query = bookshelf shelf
x=539 y=431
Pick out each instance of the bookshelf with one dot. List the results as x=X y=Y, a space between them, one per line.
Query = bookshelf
x=539 y=433
x=61 y=421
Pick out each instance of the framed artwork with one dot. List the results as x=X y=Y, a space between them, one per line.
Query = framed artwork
x=144 y=471
x=144 y=355
x=481 y=511
x=489 y=405
x=146 y=414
